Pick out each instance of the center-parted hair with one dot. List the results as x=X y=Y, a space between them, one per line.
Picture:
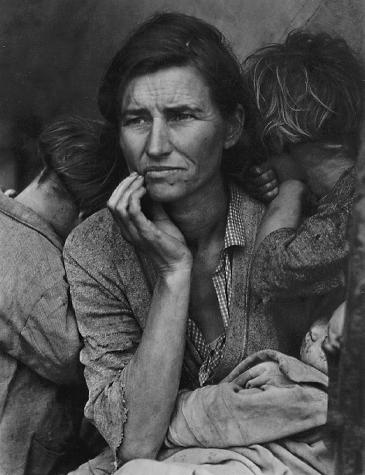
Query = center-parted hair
x=174 y=39
x=84 y=156
x=309 y=88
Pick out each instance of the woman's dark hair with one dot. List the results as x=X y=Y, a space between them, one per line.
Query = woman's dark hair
x=175 y=39
x=309 y=88
x=83 y=154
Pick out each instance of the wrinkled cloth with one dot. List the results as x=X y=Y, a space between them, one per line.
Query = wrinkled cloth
x=226 y=414
x=102 y=464
x=253 y=460
x=39 y=346
x=111 y=288
x=226 y=429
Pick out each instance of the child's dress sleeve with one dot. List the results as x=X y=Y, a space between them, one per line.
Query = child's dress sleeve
x=313 y=258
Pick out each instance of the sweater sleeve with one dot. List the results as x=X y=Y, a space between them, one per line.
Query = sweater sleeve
x=311 y=259
x=110 y=335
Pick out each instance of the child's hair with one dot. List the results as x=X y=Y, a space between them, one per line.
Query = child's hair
x=309 y=88
x=84 y=156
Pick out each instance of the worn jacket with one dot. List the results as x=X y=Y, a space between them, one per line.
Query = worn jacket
x=39 y=345
x=111 y=287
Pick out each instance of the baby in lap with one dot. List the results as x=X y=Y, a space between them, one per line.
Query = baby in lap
x=268 y=396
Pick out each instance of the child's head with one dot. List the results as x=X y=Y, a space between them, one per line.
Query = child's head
x=320 y=332
x=307 y=89
x=80 y=154
x=311 y=351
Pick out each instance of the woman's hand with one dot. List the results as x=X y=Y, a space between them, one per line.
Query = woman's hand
x=159 y=238
x=261 y=374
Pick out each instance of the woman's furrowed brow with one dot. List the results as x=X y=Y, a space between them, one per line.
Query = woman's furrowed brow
x=134 y=111
x=183 y=108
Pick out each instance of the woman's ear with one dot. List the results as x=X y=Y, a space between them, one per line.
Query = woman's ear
x=234 y=127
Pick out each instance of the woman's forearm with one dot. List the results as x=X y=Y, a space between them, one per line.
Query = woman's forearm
x=284 y=211
x=154 y=372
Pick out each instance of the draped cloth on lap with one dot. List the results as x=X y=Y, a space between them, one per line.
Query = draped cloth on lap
x=226 y=414
x=228 y=430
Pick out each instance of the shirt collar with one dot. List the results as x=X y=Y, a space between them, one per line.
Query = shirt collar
x=17 y=211
x=235 y=228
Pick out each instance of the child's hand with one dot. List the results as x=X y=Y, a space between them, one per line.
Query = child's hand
x=261 y=374
x=262 y=182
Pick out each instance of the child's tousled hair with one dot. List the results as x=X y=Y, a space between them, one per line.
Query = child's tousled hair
x=83 y=155
x=309 y=88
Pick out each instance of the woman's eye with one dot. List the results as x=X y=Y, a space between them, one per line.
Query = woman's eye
x=179 y=116
x=135 y=121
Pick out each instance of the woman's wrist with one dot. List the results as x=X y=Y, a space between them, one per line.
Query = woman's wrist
x=179 y=273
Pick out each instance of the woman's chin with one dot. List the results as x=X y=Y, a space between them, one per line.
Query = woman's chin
x=164 y=193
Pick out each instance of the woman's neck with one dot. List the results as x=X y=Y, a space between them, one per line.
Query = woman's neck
x=201 y=217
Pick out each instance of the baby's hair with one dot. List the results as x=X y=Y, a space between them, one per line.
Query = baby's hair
x=83 y=155
x=309 y=88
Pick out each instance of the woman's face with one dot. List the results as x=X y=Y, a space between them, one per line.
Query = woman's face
x=172 y=133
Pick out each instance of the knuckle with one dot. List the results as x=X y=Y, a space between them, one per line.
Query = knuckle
x=266 y=176
x=133 y=209
x=134 y=206
x=110 y=203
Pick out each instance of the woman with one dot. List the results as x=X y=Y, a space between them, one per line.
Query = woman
x=160 y=285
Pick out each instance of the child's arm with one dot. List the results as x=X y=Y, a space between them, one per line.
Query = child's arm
x=285 y=211
x=285 y=202
x=310 y=259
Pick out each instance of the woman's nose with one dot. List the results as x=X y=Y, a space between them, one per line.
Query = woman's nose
x=158 y=144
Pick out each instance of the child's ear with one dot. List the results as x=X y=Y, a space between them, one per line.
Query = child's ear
x=234 y=127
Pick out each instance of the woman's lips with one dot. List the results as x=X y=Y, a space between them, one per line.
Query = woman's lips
x=161 y=171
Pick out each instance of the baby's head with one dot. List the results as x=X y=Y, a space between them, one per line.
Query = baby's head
x=311 y=351
x=322 y=332
x=295 y=100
